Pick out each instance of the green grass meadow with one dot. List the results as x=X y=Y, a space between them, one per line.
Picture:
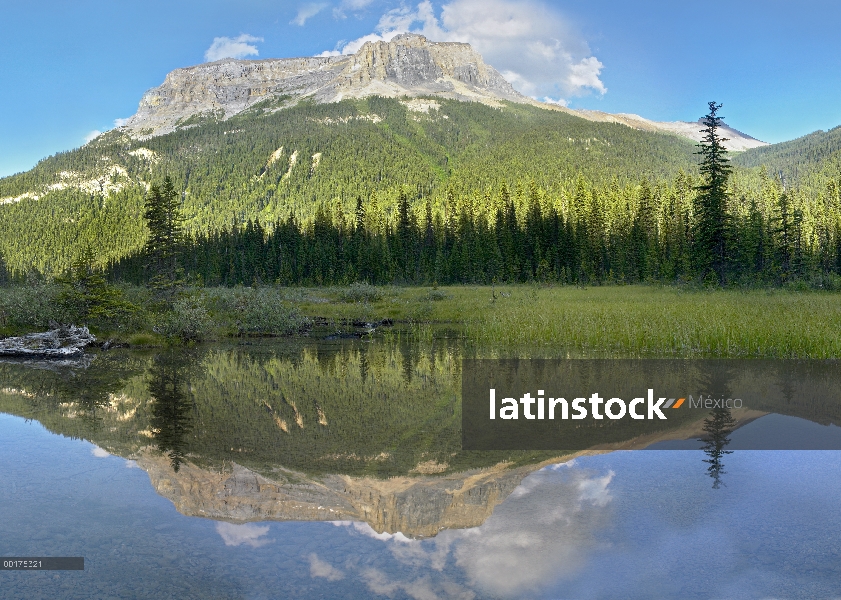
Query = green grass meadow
x=520 y=320
x=626 y=321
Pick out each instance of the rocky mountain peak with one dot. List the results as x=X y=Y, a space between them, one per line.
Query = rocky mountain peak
x=408 y=65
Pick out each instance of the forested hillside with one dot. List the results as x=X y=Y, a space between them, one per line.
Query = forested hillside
x=816 y=153
x=388 y=190
x=270 y=161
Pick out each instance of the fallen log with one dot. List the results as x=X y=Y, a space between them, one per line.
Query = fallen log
x=66 y=341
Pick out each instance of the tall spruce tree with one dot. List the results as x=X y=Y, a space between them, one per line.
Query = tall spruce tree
x=711 y=216
x=164 y=220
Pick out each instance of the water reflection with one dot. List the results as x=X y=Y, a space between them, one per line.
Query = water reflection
x=593 y=529
x=172 y=411
x=718 y=426
x=340 y=430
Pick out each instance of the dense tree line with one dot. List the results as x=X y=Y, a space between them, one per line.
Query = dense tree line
x=263 y=164
x=636 y=233
x=369 y=190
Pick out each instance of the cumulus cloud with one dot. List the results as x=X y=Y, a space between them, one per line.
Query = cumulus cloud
x=307 y=11
x=542 y=532
x=96 y=450
x=121 y=122
x=247 y=534
x=528 y=42
x=537 y=535
x=422 y=588
x=89 y=138
x=319 y=568
x=238 y=47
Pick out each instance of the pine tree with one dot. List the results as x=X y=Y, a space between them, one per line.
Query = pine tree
x=164 y=220
x=711 y=217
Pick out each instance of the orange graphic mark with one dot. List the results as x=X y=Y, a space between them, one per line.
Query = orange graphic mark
x=679 y=402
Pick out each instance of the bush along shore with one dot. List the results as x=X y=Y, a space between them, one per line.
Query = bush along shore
x=516 y=320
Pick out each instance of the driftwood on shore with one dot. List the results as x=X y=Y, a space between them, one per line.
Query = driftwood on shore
x=65 y=341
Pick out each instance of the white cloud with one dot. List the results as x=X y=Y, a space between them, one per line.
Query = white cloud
x=121 y=122
x=537 y=535
x=340 y=12
x=92 y=136
x=238 y=47
x=544 y=531
x=247 y=533
x=96 y=450
x=353 y=46
x=131 y=464
x=528 y=42
x=307 y=11
x=559 y=101
x=423 y=588
x=586 y=74
x=356 y=4
x=319 y=568
x=368 y=531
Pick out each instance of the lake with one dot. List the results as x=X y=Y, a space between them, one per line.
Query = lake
x=312 y=468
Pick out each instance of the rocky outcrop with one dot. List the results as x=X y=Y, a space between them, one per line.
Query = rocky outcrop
x=408 y=65
x=62 y=342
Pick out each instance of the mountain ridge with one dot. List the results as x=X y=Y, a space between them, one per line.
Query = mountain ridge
x=409 y=65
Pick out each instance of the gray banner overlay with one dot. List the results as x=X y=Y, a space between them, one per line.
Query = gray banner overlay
x=42 y=563
x=626 y=403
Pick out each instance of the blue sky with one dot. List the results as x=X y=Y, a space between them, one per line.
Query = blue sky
x=72 y=68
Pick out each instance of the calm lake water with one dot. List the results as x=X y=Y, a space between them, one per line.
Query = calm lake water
x=313 y=469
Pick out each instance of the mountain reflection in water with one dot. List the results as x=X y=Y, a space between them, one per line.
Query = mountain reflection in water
x=308 y=430
x=556 y=535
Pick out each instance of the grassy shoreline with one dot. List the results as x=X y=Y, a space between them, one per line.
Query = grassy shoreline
x=523 y=319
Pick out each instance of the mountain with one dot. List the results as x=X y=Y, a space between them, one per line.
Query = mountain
x=817 y=154
x=409 y=65
x=266 y=163
x=266 y=139
x=735 y=140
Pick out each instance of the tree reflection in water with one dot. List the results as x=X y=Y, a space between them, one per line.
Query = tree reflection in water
x=718 y=426
x=172 y=408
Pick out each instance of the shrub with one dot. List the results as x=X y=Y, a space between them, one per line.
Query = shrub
x=250 y=311
x=30 y=306
x=188 y=321
x=438 y=295
x=263 y=312
x=361 y=292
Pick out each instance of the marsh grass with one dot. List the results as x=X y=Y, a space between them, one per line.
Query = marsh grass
x=521 y=320
x=636 y=321
x=611 y=321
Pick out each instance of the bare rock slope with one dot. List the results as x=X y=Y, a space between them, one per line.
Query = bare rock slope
x=409 y=65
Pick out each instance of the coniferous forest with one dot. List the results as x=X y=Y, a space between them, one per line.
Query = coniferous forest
x=370 y=191
x=624 y=235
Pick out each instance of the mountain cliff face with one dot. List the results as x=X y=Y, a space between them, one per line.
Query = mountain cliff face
x=408 y=65
x=419 y=506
